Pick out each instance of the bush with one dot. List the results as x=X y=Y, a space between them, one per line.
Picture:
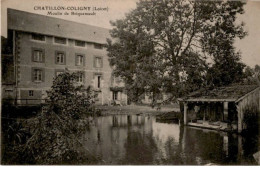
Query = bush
x=55 y=131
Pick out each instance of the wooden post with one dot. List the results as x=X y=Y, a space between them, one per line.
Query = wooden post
x=225 y=111
x=240 y=148
x=239 y=118
x=18 y=92
x=225 y=144
x=184 y=139
x=185 y=113
x=129 y=119
x=258 y=99
x=204 y=113
x=215 y=111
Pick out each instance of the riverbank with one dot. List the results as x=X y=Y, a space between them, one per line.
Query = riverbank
x=137 y=109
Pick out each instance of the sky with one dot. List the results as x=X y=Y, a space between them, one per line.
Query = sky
x=249 y=46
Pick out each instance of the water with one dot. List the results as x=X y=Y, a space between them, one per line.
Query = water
x=140 y=140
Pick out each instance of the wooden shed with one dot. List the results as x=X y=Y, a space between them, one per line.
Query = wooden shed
x=222 y=108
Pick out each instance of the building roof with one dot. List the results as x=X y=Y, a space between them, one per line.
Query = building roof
x=30 y=22
x=231 y=93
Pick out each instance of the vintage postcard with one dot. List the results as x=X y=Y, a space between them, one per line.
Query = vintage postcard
x=130 y=82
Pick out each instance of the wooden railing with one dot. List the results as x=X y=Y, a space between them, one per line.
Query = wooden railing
x=30 y=102
x=26 y=102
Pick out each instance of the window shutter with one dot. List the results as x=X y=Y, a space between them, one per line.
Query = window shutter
x=55 y=58
x=43 y=55
x=84 y=77
x=32 y=55
x=64 y=59
x=43 y=75
x=84 y=60
x=95 y=62
x=32 y=73
x=56 y=55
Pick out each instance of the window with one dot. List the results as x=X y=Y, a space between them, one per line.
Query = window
x=99 y=82
x=80 y=43
x=79 y=60
x=80 y=78
x=115 y=95
x=37 y=55
x=60 y=40
x=98 y=79
x=98 y=62
x=30 y=92
x=37 y=75
x=8 y=92
x=58 y=72
x=38 y=37
x=60 y=58
x=98 y=46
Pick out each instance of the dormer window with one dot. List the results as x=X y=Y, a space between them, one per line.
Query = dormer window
x=60 y=40
x=98 y=46
x=38 y=37
x=79 y=43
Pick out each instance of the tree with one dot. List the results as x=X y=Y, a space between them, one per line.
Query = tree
x=257 y=74
x=252 y=75
x=55 y=132
x=165 y=46
x=225 y=71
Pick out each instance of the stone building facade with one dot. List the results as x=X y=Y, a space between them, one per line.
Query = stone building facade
x=42 y=47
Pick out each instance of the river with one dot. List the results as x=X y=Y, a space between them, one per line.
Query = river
x=141 y=140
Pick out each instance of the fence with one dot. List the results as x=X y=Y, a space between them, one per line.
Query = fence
x=25 y=102
x=31 y=102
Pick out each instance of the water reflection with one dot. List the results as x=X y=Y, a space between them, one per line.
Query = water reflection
x=139 y=139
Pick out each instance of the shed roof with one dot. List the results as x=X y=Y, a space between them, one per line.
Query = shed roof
x=30 y=22
x=228 y=93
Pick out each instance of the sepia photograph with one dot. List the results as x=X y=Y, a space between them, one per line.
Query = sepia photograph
x=130 y=82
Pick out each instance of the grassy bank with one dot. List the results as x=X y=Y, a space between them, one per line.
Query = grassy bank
x=137 y=109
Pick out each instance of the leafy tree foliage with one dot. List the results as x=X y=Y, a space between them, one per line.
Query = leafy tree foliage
x=55 y=131
x=252 y=75
x=176 y=46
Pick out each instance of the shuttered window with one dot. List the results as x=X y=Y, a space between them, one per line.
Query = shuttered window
x=30 y=92
x=60 y=58
x=37 y=74
x=98 y=62
x=37 y=55
x=80 y=78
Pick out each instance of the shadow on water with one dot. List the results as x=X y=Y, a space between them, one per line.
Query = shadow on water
x=141 y=140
